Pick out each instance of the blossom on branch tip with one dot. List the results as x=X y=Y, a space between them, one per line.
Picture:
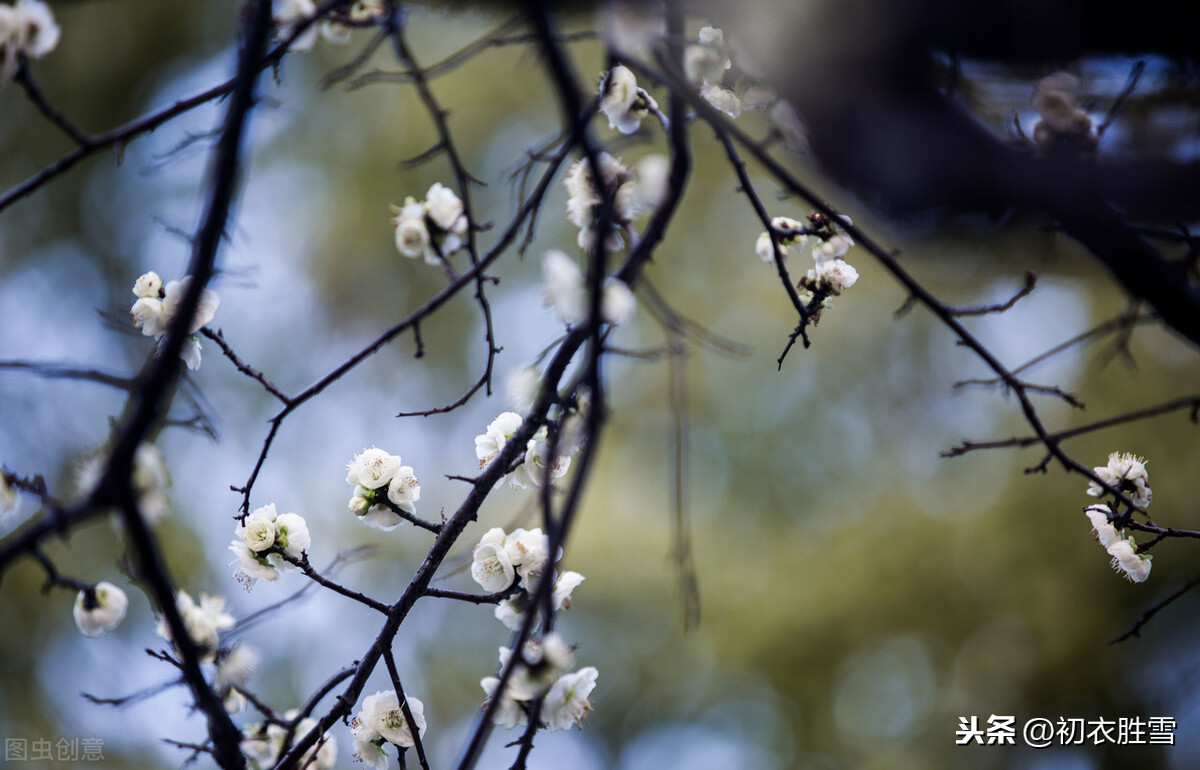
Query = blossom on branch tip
x=1127 y=474
x=564 y=290
x=404 y=490
x=499 y=431
x=27 y=28
x=372 y=468
x=433 y=228
x=620 y=100
x=100 y=609
x=381 y=720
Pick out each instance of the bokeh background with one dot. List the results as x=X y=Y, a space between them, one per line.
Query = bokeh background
x=859 y=593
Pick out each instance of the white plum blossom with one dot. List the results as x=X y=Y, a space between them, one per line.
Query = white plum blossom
x=148 y=315
x=499 y=431
x=433 y=228
x=832 y=248
x=706 y=63
x=508 y=713
x=566 y=704
x=563 y=287
x=379 y=478
x=148 y=286
x=251 y=567
x=1102 y=528
x=100 y=610
x=1126 y=559
x=191 y=353
x=1126 y=473
x=653 y=175
x=151 y=479
x=619 y=100
x=533 y=471
x=564 y=586
x=511 y=611
x=617 y=303
x=585 y=196
x=404 y=490
x=722 y=99
x=26 y=28
x=412 y=236
x=258 y=529
x=499 y=557
x=542 y=661
x=203 y=621
x=381 y=720
x=522 y=386
x=833 y=275
x=788 y=231
x=491 y=568
x=206 y=306
x=236 y=667
x=372 y=468
x=445 y=210
x=153 y=314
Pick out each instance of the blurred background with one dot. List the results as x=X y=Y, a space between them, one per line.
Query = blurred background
x=859 y=594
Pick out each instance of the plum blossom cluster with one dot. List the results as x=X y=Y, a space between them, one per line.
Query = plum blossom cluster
x=619 y=187
x=264 y=539
x=1123 y=550
x=156 y=305
x=831 y=274
x=1127 y=474
x=565 y=290
x=541 y=672
x=433 y=228
x=381 y=721
x=499 y=558
x=623 y=102
x=204 y=622
x=383 y=485
x=100 y=608
x=27 y=29
x=262 y=744
x=290 y=13
x=535 y=468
